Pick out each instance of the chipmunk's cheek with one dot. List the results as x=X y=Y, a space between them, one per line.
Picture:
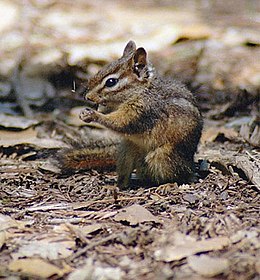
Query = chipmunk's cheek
x=93 y=96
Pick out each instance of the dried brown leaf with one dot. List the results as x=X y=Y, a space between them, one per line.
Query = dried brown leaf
x=7 y=222
x=210 y=134
x=251 y=167
x=47 y=249
x=16 y=122
x=175 y=253
x=36 y=267
x=90 y=228
x=247 y=162
x=28 y=136
x=135 y=214
x=251 y=133
x=92 y=270
x=207 y=266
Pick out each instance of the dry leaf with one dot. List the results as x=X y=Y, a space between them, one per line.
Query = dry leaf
x=90 y=228
x=179 y=238
x=35 y=267
x=207 y=266
x=49 y=166
x=135 y=214
x=93 y=270
x=46 y=249
x=247 y=162
x=28 y=136
x=250 y=166
x=251 y=132
x=211 y=134
x=7 y=222
x=175 y=253
x=16 y=122
x=238 y=236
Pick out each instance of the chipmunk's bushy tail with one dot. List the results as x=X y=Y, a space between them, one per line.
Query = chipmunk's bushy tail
x=99 y=157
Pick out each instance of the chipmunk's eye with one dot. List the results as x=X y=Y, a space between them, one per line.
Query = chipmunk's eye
x=111 y=82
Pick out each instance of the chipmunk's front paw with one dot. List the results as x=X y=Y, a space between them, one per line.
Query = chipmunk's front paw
x=87 y=115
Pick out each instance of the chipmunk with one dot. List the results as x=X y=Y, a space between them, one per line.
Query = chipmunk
x=156 y=118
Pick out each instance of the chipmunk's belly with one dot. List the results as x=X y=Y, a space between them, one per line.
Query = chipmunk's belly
x=141 y=140
x=149 y=140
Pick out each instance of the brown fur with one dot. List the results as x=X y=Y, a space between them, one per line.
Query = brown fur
x=87 y=158
x=158 y=119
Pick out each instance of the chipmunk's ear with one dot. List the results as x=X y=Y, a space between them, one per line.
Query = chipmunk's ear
x=140 y=57
x=140 y=64
x=129 y=48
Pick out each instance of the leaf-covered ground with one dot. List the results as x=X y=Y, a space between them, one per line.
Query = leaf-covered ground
x=79 y=225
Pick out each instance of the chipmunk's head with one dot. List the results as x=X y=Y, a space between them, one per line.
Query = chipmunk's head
x=122 y=79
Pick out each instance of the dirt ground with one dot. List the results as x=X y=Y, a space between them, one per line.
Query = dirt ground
x=78 y=225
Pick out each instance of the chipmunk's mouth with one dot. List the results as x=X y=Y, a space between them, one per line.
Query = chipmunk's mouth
x=92 y=104
x=103 y=109
x=100 y=106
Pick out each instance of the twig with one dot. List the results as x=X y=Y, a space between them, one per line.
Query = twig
x=75 y=206
x=56 y=221
x=74 y=231
x=252 y=157
x=104 y=201
x=92 y=245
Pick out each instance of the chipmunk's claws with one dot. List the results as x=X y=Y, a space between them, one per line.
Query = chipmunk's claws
x=87 y=115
